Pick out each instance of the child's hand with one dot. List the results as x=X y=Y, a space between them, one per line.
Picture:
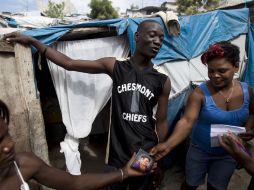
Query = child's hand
x=233 y=146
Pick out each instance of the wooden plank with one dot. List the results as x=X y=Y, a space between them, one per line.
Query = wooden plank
x=23 y=58
x=11 y=94
x=6 y=47
x=37 y=137
x=89 y=32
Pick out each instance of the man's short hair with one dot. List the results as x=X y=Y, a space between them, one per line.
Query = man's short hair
x=143 y=23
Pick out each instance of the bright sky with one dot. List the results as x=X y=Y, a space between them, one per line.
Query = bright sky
x=80 y=5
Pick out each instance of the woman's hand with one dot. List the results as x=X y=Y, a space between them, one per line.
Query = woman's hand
x=238 y=151
x=17 y=37
x=159 y=151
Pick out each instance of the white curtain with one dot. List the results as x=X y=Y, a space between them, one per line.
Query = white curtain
x=81 y=96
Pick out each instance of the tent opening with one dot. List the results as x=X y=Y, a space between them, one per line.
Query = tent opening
x=92 y=148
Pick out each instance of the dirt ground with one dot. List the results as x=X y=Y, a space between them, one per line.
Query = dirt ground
x=175 y=176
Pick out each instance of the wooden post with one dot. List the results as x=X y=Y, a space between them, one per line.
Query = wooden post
x=17 y=89
x=11 y=94
x=27 y=84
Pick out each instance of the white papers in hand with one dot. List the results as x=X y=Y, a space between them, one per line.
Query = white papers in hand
x=221 y=129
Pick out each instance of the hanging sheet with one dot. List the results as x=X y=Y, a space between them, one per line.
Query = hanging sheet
x=81 y=96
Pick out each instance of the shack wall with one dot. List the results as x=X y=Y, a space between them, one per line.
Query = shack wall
x=17 y=89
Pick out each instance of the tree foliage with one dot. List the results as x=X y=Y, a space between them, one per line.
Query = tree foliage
x=189 y=7
x=55 y=10
x=102 y=9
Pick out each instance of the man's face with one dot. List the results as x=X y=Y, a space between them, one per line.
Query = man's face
x=7 y=153
x=149 y=39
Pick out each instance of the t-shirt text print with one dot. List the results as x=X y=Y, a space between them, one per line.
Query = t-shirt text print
x=136 y=88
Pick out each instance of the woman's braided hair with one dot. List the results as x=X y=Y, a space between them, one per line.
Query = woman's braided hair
x=4 y=112
x=225 y=50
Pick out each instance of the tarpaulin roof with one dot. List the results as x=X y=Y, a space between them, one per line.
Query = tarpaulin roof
x=201 y=30
x=51 y=34
x=249 y=72
x=197 y=32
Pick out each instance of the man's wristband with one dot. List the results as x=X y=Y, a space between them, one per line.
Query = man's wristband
x=122 y=175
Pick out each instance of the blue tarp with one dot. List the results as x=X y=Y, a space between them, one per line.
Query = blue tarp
x=11 y=22
x=51 y=34
x=197 y=32
x=249 y=72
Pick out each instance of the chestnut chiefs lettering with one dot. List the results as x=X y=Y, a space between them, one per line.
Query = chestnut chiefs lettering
x=135 y=87
x=134 y=117
x=143 y=90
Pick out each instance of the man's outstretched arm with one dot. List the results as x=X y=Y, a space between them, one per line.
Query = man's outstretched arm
x=36 y=169
x=103 y=65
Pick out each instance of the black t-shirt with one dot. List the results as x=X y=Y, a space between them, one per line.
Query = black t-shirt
x=134 y=96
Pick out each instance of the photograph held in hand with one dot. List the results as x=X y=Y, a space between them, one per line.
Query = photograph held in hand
x=143 y=162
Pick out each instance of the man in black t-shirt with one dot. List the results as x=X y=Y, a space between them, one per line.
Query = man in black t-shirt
x=137 y=89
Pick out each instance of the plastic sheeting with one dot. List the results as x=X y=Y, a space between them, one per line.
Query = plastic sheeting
x=182 y=73
x=34 y=21
x=51 y=34
x=248 y=75
x=8 y=30
x=197 y=32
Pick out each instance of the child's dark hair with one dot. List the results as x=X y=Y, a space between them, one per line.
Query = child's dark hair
x=222 y=50
x=4 y=112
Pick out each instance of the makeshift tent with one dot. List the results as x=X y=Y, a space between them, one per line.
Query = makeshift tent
x=178 y=57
